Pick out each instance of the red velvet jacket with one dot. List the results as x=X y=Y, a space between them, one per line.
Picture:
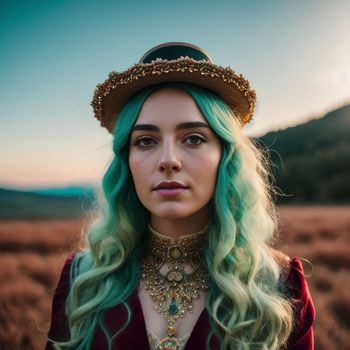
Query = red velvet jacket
x=135 y=336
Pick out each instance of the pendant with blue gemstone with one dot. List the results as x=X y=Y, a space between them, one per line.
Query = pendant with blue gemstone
x=173 y=309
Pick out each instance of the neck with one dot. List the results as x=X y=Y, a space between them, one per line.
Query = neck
x=177 y=228
x=182 y=249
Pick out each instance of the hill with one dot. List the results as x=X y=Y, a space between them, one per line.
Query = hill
x=312 y=160
x=28 y=205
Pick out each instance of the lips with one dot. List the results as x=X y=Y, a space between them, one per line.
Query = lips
x=170 y=185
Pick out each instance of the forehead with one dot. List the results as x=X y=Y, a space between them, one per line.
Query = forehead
x=169 y=106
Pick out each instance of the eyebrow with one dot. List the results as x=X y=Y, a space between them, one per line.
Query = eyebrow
x=187 y=125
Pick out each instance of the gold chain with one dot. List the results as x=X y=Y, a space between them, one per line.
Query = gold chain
x=174 y=292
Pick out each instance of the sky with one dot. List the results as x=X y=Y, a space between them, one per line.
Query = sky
x=296 y=55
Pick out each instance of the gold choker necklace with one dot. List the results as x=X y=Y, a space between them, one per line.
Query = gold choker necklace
x=174 y=292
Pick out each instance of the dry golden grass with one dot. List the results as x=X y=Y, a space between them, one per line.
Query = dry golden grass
x=32 y=256
x=33 y=253
x=322 y=236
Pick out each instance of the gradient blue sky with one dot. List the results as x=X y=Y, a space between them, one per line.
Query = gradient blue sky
x=296 y=55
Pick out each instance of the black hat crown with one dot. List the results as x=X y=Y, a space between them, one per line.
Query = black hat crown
x=174 y=50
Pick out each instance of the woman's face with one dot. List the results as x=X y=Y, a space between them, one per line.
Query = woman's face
x=172 y=142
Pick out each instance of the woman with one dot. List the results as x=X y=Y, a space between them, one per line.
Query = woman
x=181 y=256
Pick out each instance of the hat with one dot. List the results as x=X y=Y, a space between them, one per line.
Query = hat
x=173 y=62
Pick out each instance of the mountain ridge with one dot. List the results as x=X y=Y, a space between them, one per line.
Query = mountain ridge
x=312 y=160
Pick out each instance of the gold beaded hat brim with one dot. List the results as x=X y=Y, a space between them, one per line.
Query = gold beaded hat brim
x=173 y=62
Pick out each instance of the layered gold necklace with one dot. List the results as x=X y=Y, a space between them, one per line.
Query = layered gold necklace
x=174 y=291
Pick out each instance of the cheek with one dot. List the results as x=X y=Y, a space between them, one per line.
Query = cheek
x=136 y=170
x=140 y=172
x=205 y=169
x=211 y=159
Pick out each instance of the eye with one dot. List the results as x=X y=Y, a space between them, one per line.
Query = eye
x=144 y=142
x=195 y=140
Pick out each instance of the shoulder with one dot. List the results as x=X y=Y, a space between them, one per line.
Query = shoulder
x=302 y=336
x=64 y=279
x=292 y=274
x=68 y=262
x=297 y=283
x=67 y=265
x=295 y=287
x=282 y=259
x=294 y=280
x=59 y=328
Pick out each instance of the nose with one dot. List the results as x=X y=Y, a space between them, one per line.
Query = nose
x=169 y=159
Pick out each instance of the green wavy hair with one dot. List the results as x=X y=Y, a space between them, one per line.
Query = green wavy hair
x=244 y=299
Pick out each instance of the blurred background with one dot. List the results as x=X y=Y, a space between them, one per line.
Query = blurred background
x=53 y=152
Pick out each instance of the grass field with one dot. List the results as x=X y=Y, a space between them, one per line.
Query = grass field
x=33 y=252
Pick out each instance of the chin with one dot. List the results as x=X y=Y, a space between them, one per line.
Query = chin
x=172 y=212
